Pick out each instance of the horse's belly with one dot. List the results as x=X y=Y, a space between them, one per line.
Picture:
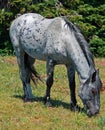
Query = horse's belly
x=35 y=51
x=41 y=50
x=43 y=54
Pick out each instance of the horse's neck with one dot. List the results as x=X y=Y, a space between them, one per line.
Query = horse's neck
x=82 y=66
x=78 y=58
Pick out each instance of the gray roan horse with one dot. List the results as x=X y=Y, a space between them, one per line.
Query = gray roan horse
x=56 y=41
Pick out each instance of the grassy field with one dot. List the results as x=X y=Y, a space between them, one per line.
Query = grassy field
x=17 y=115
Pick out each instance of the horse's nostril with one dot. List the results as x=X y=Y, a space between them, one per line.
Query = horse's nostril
x=96 y=112
x=89 y=113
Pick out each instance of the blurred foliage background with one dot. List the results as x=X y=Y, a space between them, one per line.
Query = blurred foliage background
x=89 y=15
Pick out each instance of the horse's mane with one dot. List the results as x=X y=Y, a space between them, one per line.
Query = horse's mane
x=83 y=43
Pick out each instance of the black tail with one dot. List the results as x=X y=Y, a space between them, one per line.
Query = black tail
x=34 y=76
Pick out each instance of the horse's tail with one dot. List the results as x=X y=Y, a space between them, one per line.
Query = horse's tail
x=34 y=75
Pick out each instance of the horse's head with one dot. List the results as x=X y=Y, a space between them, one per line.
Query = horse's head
x=90 y=93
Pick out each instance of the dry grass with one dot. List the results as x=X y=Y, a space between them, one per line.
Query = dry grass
x=17 y=115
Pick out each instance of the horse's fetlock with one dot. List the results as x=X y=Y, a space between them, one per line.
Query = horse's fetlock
x=47 y=101
x=75 y=107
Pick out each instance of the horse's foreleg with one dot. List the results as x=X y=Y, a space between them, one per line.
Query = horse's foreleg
x=72 y=85
x=49 y=81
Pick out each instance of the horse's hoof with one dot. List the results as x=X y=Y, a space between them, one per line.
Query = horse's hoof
x=75 y=107
x=27 y=99
x=48 y=104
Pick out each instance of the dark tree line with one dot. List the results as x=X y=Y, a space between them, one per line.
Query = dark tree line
x=89 y=15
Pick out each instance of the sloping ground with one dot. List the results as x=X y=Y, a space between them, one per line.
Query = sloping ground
x=17 y=115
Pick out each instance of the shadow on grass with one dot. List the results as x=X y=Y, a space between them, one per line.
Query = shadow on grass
x=55 y=103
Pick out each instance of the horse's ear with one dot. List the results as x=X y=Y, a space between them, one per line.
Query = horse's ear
x=94 y=76
x=97 y=71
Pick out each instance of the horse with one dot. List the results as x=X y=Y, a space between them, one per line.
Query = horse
x=56 y=41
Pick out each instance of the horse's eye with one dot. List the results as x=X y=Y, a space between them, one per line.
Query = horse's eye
x=93 y=91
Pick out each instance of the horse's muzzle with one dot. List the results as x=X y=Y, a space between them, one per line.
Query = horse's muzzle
x=92 y=113
x=92 y=109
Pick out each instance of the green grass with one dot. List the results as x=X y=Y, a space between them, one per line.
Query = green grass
x=17 y=115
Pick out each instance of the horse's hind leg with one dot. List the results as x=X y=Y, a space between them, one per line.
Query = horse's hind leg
x=28 y=71
x=25 y=72
x=49 y=82
x=25 y=75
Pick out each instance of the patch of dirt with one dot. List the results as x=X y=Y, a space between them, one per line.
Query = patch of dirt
x=103 y=86
x=11 y=60
x=100 y=62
